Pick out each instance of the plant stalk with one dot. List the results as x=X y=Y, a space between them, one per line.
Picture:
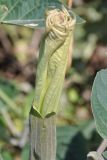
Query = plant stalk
x=52 y=64
x=42 y=138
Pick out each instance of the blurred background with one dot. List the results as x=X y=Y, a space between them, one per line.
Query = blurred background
x=76 y=133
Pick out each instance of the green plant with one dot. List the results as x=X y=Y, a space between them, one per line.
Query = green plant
x=51 y=67
x=50 y=76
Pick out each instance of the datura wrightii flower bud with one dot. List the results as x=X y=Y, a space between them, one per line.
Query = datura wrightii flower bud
x=53 y=58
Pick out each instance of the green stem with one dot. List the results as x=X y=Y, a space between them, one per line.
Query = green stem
x=42 y=138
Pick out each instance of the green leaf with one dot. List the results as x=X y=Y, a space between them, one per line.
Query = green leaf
x=10 y=103
x=105 y=154
x=9 y=87
x=26 y=13
x=64 y=136
x=64 y=2
x=4 y=134
x=25 y=153
x=29 y=13
x=69 y=142
x=87 y=129
x=99 y=102
x=6 y=156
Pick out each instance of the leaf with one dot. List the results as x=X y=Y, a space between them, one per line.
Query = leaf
x=64 y=2
x=4 y=134
x=29 y=13
x=64 y=136
x=69 y=142
x=25 y=153
x=87 y=129
x=8 y=91
x=99 y=102
x=6 y=156
x=9 y=87
x=10 y=103
x=26 y=13
x=105 y=154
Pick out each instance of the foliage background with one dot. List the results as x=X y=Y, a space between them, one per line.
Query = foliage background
x=18 y=60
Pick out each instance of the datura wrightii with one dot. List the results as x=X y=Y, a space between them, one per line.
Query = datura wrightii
x=53 y=58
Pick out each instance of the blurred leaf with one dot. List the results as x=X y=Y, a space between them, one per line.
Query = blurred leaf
x=93 y=15
x=25 y=153
x=2 y=105
x=3 y=130
x=8 y=87
x=9 y=102
x=99 y=102
x=64 y=135
x=87 y=129
x=64 y=2
x=69 y=142
x=6 y=156
x=73 y=95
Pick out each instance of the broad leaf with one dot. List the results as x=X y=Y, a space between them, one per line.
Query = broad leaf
x=99 y=102
x=27 y=12
x=69 y=142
